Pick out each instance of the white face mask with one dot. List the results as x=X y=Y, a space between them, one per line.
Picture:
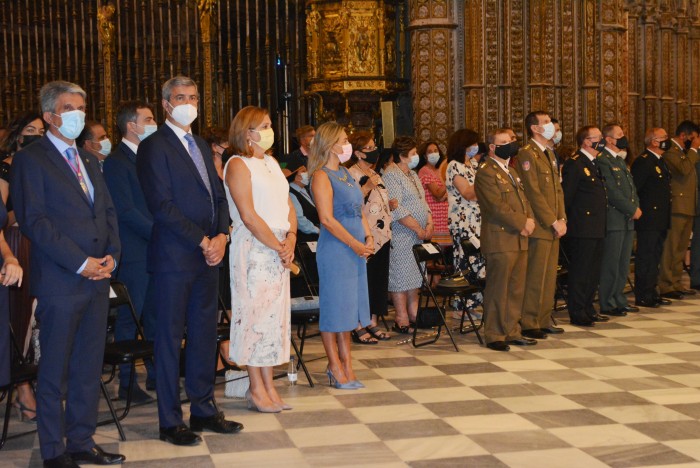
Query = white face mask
x=557 y=137
x=267 y=138
x=304 y=178
x=413 y=162
x=148 y=130
x=184 y=114
x=105 y=147
x=433 y=158
x=549 y=131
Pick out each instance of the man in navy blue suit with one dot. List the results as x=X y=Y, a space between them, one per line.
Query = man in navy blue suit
x=135 y=122
x=64 y=208
x=190 y=233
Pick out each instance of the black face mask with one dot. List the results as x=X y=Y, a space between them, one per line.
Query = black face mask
x=28 y=139
x=508 y=150
x=622 y=143
x=371 y=156
x=599 y=145
x=687 y=143
x=665 y=145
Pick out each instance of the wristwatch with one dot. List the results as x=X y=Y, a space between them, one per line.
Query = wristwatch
x=228 y=238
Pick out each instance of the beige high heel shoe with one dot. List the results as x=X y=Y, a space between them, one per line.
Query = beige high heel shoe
x=261 y=409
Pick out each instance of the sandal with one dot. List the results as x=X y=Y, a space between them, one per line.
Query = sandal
x=378 y=333
x=363 y=338
x=405 y=330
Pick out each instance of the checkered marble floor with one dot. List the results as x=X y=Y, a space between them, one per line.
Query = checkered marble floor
x=625 y=393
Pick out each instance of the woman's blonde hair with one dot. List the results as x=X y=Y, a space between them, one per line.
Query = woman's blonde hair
x=247 y=118
x=327 y=135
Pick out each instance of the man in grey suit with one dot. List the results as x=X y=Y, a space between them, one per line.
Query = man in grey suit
x=623 y=209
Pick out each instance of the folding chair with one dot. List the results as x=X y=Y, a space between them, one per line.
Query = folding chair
x=470 y=251
x=124 y=352
x=428 y=252
x=20 y=372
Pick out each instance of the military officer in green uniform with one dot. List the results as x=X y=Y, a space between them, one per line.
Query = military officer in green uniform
x=623 y=209
x=684 y=186
x=539 y=172
x=506 y=223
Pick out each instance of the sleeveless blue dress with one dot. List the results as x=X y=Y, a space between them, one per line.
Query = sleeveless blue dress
x=343 y=296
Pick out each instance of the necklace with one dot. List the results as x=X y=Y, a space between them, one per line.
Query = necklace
x=343 y=179
x=410 y=177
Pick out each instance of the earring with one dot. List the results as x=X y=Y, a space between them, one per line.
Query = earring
x=250 y=142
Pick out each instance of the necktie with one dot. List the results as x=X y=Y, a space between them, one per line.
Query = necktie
x=198 y=161
x=71 y=156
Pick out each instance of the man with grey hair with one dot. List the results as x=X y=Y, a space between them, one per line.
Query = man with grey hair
x=190 y=233
x=56 y=188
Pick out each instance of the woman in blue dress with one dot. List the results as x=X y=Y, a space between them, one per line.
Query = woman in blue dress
x=344 y=245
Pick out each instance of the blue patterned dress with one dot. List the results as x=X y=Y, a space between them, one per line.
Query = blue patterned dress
x=342 y=273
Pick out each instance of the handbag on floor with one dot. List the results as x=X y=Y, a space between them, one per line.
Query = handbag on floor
x=237 y=383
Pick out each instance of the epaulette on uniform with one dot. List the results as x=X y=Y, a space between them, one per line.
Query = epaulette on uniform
x=483 y=165
x=575 y=157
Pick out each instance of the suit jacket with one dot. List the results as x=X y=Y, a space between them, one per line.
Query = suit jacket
x=295 y=160
x=622 y=194
x=179 y=201
x=684 y=180
x=652 y=179
x=135 y=221
x=63 y=225
x=584 y=197
x=504 y=209
x=540 y=176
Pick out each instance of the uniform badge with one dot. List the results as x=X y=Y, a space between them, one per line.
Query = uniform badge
x=586 y=171
x=526 y=165
x=554 y=164
x=658 y=169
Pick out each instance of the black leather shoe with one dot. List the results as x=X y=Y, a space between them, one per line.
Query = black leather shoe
x=651 y=304
x=689 y=292
x=498 y=346
x=583 y=323
x=629 y=308
x=522 y=342
x=535 y=333
x=215 y=423
x=614 y=312
x=97 y=456
x=137 y=395
x=179 y=435
x=553 y=330
x=61 y=461
x=600 y=318
x=673 y=295
x=661 y=301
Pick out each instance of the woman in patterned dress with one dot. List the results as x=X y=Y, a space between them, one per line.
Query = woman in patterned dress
x=464 y=215
x=263 y=236
x=435 y=191
x=412 y=224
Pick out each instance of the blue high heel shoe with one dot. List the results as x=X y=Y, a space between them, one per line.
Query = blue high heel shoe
x=342 y=386
x=357 y=384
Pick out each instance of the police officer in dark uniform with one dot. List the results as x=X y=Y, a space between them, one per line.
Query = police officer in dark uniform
x=586 y=206
x=652 y=179
x=623 y=209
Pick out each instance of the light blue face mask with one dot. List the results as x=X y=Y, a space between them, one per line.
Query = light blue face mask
x=105 y=147
x=148 y=130
x=414 y=161
x=72 y=124
x=472 y=151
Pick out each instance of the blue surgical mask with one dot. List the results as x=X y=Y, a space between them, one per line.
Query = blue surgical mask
x=413 y=162
x=72 y=124
x=105 y=147
x=472 y=151
x=433 y=158
x=148 y=130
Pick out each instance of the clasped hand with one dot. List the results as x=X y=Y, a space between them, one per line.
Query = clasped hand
x=98 y=268
x=214 y=249
x=286 y=251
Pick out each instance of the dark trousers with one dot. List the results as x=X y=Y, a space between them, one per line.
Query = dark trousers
x=5 y=344
x=584 y=274
x=185 y=299
x=646 y=264
x=378 y=281
x=140 y=286
x=72 y=339
x=615 y=267
x=695 y=253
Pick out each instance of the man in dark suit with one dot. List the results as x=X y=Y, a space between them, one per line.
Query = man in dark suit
x=586 y=210
x=507 y=221
x=64 y=208
x=652 y=179
x=684 y=188
x=135 y=122
x=300 y=157
x=190 y=233
x=623 y=209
